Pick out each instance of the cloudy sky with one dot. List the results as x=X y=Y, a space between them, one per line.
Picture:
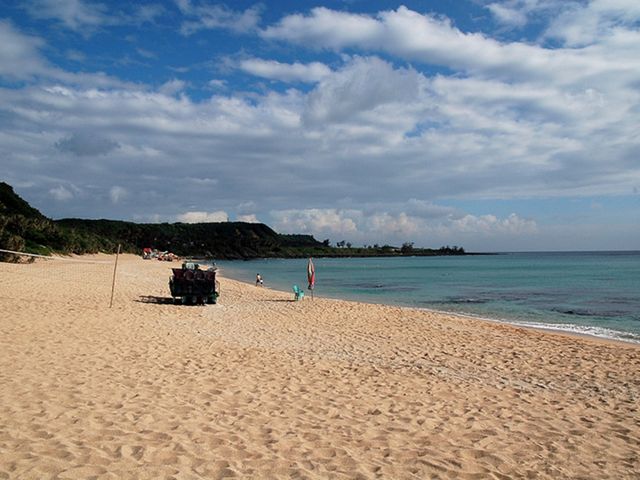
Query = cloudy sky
x=496 y=125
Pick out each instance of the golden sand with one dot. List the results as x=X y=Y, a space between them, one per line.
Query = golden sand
x=259 y=386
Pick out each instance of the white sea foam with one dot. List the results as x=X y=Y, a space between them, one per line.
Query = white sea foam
x=573 y=329
x=584 y=330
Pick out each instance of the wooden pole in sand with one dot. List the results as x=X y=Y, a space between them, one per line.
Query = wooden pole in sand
x=113 y=283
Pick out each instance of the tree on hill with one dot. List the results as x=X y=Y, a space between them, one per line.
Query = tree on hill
x=407 y=248
x=12 y=204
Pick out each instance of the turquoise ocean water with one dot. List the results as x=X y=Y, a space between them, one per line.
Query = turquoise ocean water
x=595 y=293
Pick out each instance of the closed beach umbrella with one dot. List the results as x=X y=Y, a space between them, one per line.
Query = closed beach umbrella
x=311 y=275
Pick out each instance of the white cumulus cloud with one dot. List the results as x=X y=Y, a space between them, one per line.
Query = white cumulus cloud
x=492 y=225
x=172 y=87
x=397 y=227
x=286 y=72
x=325 y=221
x=74 y=14
x=581 y=24
x=60 y=193
x=206 y=16
x=363 y=85
x=435 y=40
x=20 y=55
x=117 y=194
x=508 y=15
x=250 y=218
x=203 y=217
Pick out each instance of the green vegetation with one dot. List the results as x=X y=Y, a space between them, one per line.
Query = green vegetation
x=25 y=229
x=227 y=240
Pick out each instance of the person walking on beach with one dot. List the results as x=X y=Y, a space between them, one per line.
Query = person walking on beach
x=258 y=280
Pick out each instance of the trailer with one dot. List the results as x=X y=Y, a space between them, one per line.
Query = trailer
x=192 y=285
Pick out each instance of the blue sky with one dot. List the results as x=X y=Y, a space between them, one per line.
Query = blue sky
x=495 y=125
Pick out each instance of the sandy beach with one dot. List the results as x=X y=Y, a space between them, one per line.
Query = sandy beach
x=260 y=386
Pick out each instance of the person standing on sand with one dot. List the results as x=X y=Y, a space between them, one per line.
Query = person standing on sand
x=258 y=280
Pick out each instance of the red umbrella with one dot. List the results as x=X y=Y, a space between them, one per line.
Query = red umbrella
x=311 y=275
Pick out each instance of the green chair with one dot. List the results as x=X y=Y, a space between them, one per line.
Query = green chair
x=298 y=292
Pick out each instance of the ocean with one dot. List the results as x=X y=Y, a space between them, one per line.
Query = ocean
x=593 y=293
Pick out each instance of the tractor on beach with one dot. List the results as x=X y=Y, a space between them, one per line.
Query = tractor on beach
x=192 y=285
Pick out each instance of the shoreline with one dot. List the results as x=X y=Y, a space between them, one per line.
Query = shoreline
x=261 y=386
x=544 y=329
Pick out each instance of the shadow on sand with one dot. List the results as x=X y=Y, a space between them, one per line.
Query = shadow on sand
x=155 y=299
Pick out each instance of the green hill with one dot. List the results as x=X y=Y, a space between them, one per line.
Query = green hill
x=12 y=204
x=220 y=240
x=25 y=229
